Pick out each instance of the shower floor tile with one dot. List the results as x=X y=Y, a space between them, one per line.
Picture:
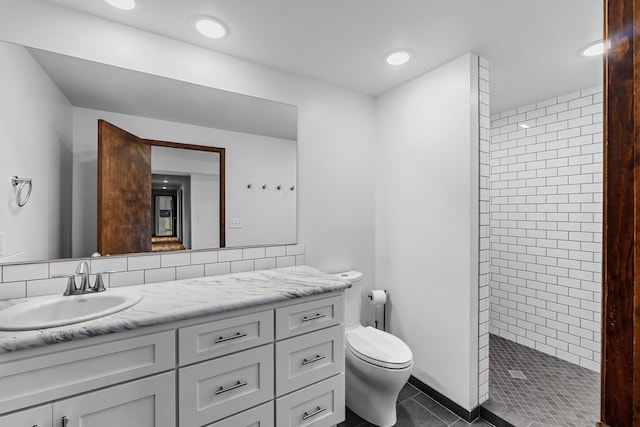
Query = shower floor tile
x=554 y=393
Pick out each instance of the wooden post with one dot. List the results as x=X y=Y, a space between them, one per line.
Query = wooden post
x=620 y=403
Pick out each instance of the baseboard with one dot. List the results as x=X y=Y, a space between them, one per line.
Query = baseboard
x=493 y=418
x=468 y=416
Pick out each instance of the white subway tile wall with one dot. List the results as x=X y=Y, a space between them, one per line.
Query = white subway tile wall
x=546 y=226
x=20 y=272
x=108 y=264
x=33 y=279
x=241 y=266
x=144 y=262
x=275 y=251
x=175 y=260
x=285 y=261
x=253 y=253
x=159 y=275
x=483 y=271
x=230 y=255
x=46 y=286
x=13 y=290
x=204 y=257
x=126 y=278
x=266 y=263
x=217 y=268
x=189 y=271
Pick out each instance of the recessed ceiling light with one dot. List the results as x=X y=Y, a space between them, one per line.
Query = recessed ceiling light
x=166 y=181
x=524 y=126
x=527 y=125
x=398 y=57
x=209 y=27
x=164 y=188
x=123 y=4
x=595 y=49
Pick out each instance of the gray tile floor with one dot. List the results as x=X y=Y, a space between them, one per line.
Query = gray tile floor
x=554 y=393
x=416 y=409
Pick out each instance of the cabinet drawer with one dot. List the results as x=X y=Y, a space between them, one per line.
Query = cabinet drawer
x=221 y=387
x=309 y=358
x=301 y=318
x=149 y=402
x=213 y=339
x=40 y=417
x=318 y=405
x=33 y=380
x=262 y=416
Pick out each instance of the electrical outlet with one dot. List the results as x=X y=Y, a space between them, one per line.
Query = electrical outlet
x=235 y=223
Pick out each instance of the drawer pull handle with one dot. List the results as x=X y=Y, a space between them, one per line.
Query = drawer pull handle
x=315 y=359
x=317 y=316
x=65 y=421
x=229 y=338
x=318 y=410
x=233 y=387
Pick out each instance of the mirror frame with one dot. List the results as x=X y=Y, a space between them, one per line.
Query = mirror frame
x=221 y=192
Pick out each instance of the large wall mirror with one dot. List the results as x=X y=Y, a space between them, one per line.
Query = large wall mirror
x=49 y=133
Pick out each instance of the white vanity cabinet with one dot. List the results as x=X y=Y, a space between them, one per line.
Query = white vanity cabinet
x=34 y=417
x=310 y=364
x=62 y=372
x=278 y=365
x=149 y=402
x=221 y=387
x=54 y=375
x=255 y=358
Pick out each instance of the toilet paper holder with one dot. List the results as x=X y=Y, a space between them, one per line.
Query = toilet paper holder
x=371 y=297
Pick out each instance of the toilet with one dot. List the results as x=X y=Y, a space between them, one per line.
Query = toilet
x=377 y=364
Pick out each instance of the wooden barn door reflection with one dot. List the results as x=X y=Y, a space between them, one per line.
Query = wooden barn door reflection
x=124 y=191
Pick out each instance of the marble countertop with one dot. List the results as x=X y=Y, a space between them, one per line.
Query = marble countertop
x=165 y=302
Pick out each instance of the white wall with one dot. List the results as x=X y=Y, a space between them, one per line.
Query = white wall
x=169 y=160
x=546 y=226
x=336 y=127
x=247 y=158
x=205 y=214
x=35 y=142
x=427 y=223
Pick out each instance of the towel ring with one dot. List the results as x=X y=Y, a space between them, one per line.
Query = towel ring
x=23 y=182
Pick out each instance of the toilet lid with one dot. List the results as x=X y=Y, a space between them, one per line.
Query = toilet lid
x=379 y=348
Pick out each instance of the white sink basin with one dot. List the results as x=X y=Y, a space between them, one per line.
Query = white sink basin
x=41 y=313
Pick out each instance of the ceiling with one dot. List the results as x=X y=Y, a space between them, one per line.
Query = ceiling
x=139 y=94
x=533 y=45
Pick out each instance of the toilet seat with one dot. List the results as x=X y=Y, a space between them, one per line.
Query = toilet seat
x=379 y=348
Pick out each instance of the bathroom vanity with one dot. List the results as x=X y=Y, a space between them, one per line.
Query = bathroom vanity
x=263 y=348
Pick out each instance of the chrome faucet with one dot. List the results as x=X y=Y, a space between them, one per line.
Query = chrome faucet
x=83 y=270
x=85 y=285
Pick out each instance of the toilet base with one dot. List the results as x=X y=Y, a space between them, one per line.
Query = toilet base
x=371 y=391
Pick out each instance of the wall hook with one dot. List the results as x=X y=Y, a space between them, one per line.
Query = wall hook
x=264 y=187
x=249 y=185
x=293 y=187
x=279 y=187
x=20 y=201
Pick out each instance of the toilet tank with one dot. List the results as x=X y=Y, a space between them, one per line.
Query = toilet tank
x=352 y=297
